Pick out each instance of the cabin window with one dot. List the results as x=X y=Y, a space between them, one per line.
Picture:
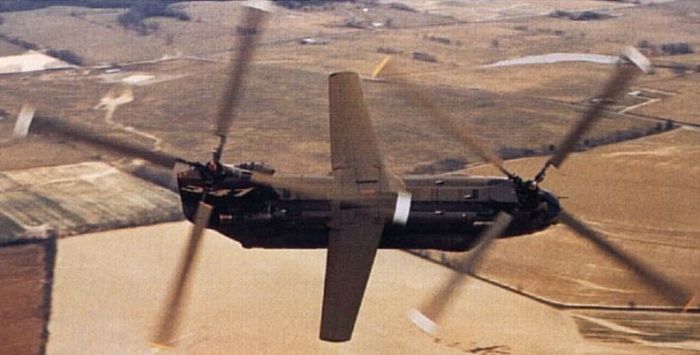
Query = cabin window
x=225 y=218
x=474 y=194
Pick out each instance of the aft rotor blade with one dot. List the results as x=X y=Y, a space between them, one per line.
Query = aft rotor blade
x=672 y=291
x=178 y=292
x=428 y=316
x=613 y=89
x=248 y=32
x=444 y=120
x=88 y=136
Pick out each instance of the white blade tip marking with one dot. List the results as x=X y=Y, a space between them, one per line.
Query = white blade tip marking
x=403 y=208
x=423 y=322
x=261 y=5
x=24 y=120
x=637 y=58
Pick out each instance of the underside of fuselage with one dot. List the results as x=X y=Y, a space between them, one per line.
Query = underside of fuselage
x=446 y=213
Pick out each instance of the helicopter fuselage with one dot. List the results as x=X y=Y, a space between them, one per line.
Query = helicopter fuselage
x=446 y=213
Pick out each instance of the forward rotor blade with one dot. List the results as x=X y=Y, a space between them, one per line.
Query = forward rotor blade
x=672 y=291
x=444 y=120
x=87 y=136
x=428 y=317
x=613 y=89
x=171 y=314
x=248 y=34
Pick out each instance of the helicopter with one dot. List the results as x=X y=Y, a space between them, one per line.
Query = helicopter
x=362 y=205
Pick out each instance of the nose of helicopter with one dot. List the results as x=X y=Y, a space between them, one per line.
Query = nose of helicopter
x=553 y=207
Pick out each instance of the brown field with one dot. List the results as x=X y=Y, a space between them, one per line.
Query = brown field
x=506 y=9
x=287 y=99
x=683 y=102
x=109 y=286
x=26 y=269
x=9 y=49
x=643 y=193
x=291 y=119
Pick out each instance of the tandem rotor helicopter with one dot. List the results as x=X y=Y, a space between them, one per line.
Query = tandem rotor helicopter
x=362 y=205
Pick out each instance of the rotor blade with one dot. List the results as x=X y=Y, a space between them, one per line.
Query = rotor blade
x=444 y=120
x=248 y=34
x=428 y=316
x=24 y=121
x=85 y=135
x=671 y=290
x=615 y=86
x=171 y=314
x=378 y=69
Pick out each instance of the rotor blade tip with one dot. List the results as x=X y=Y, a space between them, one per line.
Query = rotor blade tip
x=403 y=208
x=378 y=69
x=637 y=58
x=261 y=5
x=161 y=346
x=423 y=322
x=24 y=121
